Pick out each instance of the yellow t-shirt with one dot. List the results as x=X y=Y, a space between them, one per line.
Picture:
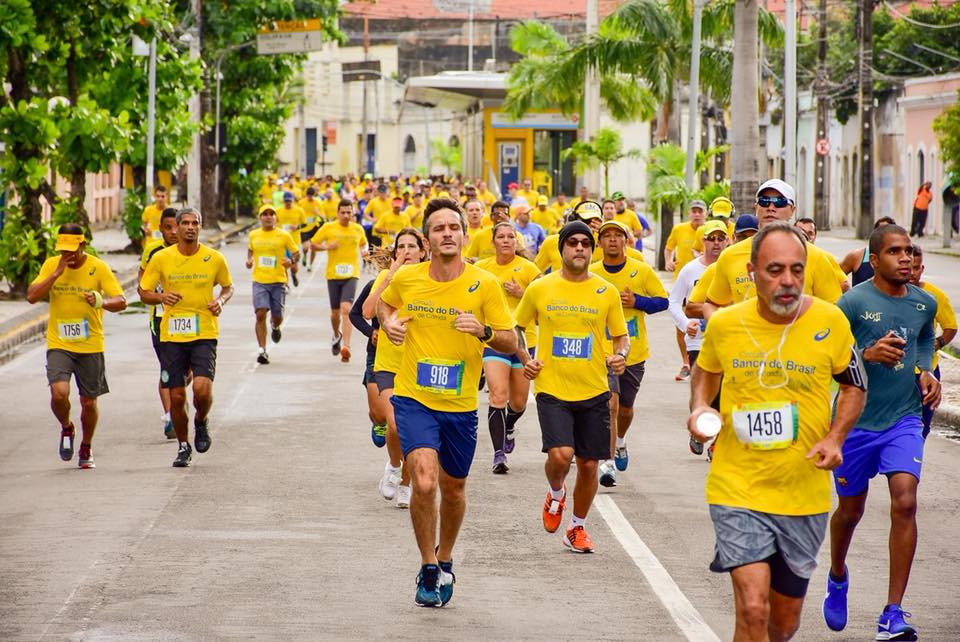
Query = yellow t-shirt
x=329 y=209
x=389 y=357
x=266 y=193
x=441 y=365
x=699 y=292
x=520 y=270
x=291 y=219
x=151 y=248
x=732 y=282
x=486 y=197
x=547 y=218
x=377 y=207
x=629 y=218
x=415 y=214
x=642 y=280
x=193 y=278
x=392 y=223
x=343 y=262
x=682 y=238
x=74 y=325
x=573 y=319
x=548 y=257
x=313 y=211
x=531 y=196
x=481 y=244
x=946 y=318
x=151 y=218
x=269 y=251
x=796 y=379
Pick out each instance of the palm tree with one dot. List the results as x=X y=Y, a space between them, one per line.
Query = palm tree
x=745 y=120
x=603 y=151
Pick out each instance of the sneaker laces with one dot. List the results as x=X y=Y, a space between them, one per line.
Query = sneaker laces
x=554 y=506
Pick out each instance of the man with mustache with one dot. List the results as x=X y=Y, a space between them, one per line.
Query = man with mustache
x=768 y=487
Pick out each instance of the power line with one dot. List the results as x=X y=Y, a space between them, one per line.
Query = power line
x=917 y=23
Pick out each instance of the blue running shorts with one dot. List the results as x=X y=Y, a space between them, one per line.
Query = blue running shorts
x=899 y=449
x=452 y=434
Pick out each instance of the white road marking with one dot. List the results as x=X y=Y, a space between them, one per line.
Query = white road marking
x=688 y=619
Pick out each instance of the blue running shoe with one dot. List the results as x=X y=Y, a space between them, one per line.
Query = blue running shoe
x=447 y=580
x=891 y=626
x=168 y=430
x=621 y=458
x=428 y=586
x=378 y=435
x=835 y=603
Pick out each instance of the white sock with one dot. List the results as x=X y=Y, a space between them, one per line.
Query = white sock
x=390 y=469
x=576 y=521
x=261 y=350
x=165 y=417
x=621 y=442
x=557 y=494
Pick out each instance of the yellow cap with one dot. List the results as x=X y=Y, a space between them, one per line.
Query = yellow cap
x=543 y=200
x=613 y=225
x=69 y=242
x=267 y=208
x=713 y=226
x=721 y=206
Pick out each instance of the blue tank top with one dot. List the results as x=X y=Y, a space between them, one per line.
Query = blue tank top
x=864 y=271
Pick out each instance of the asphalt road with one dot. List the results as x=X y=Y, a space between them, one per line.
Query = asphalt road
x=279 y=533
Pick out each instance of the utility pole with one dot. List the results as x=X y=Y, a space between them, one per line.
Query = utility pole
x=865 y=220
x=363 y=137
x=470 y=37
x=151 y=113
x=790 y=94
x=193 y=162
x=591 y=95
x=693 y=102
x=821 y=169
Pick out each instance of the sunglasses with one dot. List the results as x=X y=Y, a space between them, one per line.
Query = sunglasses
x=776 y=201
x=578 y=242
x=716 y=239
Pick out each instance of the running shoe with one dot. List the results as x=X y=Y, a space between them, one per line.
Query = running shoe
x=891 y=625
x=500 y=463
x=263 y=358
x=168 y=430
x=345 y=354
x=66 y=443
x=403 y=496
x=695 y=446
x=835 y=603
x=509 y=440
x=184 y=455
x=577 y=540
x=553 y=511
x=201 y=437
x=85 y=458
x=296 y=281
x=378 y=435
x=447 y=580
x=684 y=373
x=389 y=482
x=428 y=586
x=275 y=334
x=608 y=474
x=621 y=457
x=335 y=345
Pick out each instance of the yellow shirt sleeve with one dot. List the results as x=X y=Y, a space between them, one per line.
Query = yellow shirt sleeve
x=720 y=292
x=526 y=312
x=672 y=239
x=708 y=359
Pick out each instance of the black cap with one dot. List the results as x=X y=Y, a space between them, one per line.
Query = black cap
x=576 y=227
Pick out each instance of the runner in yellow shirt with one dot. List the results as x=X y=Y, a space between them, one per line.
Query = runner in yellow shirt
x=507 y=385
x=641 y=293
x=545 y=217
x=443 y=312
x=188 y=272
x=475 y=215
x=679 y=251
x=386 y=227
x=313 y=218
x=329 y=206
x=168 y=231
x=481 y=242
x=378 y=205
x=270 y=251
x=626 y=215
x=150 y=219
x=345 y=243
x=414 y=210
x=768 y=487
x=582 y=195
x=527 y=192
x=574 y=310
x=80 y=287
x=486 y=197
x=291 y=219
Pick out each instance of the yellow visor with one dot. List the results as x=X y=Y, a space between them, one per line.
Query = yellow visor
x=69 y=242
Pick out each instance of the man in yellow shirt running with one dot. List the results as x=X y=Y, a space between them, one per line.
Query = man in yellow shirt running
x=574 y=310
x=150 y=219
x=388 y=225
x=188 y=272
x=291 y=219
x=443 y=312
x=270 y=251
x=313 y=218
x=80 y=287
x=769 y=487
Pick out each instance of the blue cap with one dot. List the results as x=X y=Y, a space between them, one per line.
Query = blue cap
x=746 y=223
x=288 y=196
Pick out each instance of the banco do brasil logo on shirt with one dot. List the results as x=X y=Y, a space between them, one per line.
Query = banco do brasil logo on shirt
x=473 y=288
x=823 y=334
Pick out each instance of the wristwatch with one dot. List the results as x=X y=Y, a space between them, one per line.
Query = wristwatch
x=487 y=334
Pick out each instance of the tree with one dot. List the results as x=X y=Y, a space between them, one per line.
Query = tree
x=947 y=128
x=745 y=119
x=447 y=154
x=605 y=150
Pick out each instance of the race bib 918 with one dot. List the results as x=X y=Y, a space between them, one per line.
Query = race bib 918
x=770 y=425
x=440 y=376
x=184 y=325
x=73 y=330
x=572 y=346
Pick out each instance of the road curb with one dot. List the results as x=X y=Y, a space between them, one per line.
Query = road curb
x=28 y=325
x=948 y=414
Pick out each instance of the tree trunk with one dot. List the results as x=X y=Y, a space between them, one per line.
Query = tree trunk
x=865 y=220
x=744 y=117
x=78 y=192
x=208 y=198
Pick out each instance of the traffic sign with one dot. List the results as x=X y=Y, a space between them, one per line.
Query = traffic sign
x=823 y=147
x=290 y=36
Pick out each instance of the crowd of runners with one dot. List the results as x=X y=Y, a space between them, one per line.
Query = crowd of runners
x=802 y=368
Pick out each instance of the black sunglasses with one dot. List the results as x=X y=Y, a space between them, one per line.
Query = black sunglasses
x=776 y=201
x=580 y=242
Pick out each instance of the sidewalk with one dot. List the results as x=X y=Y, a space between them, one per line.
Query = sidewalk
x=931 y=244
x=20 y=321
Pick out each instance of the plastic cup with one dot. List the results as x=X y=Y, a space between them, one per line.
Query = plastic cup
x=709 y=424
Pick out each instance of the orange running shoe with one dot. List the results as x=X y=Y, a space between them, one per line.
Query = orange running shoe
x=577 y=540
x=345 y=354
x=553 y=511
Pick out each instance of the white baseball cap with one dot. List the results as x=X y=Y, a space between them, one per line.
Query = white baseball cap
x=781 y=186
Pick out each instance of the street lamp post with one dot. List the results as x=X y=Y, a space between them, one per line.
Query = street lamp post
x=151 y=112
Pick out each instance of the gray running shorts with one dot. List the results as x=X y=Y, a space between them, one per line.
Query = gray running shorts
x=88 y=369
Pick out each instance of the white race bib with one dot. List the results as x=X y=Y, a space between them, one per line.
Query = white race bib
x=73 y=330
x=289 y=228
x=183 y=325
x=156 y=234
x=769 y=425
x=266 y=261
x=158 y=310
x=343 y=269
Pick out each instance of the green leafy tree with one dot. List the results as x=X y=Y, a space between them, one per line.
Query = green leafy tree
x=447 y=155
x=947 y=128
x=605 y=150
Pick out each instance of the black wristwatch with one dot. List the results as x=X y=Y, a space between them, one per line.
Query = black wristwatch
x=487 y=334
